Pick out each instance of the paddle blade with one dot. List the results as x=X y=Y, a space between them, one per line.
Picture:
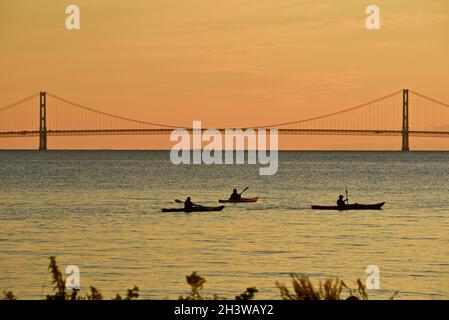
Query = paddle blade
x=178 y=201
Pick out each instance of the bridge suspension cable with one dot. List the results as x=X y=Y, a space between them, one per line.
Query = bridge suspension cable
x=110 y=114
x=430 y=99
x=19 y=102
x=20 y=116
x=277 y=125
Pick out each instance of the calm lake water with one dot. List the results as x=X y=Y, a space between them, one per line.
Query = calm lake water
x=100 y=210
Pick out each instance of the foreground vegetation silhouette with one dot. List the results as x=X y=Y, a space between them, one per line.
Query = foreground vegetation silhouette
x=303 y=289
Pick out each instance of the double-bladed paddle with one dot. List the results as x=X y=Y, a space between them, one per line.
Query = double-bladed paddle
x=244 y=190
x=194 y=204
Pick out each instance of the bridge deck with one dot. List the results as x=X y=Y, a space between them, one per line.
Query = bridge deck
x=61 y=133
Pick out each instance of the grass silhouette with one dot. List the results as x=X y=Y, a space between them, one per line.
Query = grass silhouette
x=303 y=289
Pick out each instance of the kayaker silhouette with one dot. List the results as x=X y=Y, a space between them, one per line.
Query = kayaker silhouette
x=188 y=204
x=235 y=195
x=341 y=202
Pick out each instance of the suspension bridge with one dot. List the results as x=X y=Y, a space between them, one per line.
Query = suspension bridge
x=402 y=113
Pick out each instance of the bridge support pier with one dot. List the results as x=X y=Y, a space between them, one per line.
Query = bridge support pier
x=43 y=121
x=405 y=116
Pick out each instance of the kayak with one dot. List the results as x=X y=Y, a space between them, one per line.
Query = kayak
x=194 y=209
x=242 y=200
x=355 y=206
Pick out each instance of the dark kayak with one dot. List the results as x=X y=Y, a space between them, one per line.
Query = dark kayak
x=243 y=200
x=194 y=209
x=355 y=206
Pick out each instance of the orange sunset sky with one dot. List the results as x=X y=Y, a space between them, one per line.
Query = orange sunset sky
x=227 y=63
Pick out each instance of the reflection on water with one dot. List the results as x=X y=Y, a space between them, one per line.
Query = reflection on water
x=100 y=210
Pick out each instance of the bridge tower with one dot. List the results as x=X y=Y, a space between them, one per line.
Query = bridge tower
x=43 y=121
x=405 y=117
